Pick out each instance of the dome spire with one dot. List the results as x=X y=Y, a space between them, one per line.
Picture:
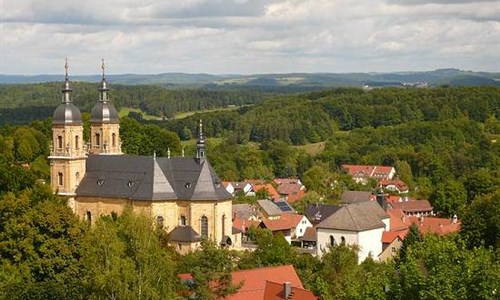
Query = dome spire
x=103 y=88
x=66 y=88
x=200 y=145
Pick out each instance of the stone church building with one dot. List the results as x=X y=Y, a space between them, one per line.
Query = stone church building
x=182 y=195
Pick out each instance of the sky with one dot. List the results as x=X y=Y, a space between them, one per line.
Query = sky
x=248 y=36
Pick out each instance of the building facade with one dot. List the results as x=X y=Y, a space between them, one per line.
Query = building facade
x=182 y=195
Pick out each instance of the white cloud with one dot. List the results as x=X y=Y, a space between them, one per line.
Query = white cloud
x=248 y=36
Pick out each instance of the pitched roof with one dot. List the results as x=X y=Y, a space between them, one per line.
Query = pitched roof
x=412 y=205
x=399 y=222
x=243 y=211
x=254 y=281
x=356 y=196
x=184 y=234
x=275 y=291
x=389 y=236
x=273 y=194
x=296 y=196
x=243 y=225
x=400 y=184
x=269 y=207
x=319 y=212
x=309 y=235
x=286 y=221
x=368 y=171
x=150 y=178
x=356 y=217
x=289 y=187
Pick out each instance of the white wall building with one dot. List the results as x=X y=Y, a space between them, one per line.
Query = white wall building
x=359 y=224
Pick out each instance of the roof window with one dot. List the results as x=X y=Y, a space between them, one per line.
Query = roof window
x=100 y=182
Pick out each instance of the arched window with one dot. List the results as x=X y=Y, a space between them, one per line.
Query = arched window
x=77 y=177
x=332 y=240
x=97 y=139
x=159 y=221
x=183 y=220
x=60 y=178
x=77 y=142
x=204 y=227
x=113 y=140
x=223 y=225
x=88 y=216
x=342 y=240
x=59 y=142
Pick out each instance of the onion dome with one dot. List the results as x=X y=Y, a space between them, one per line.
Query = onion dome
x=67 y=113
x=104 y=111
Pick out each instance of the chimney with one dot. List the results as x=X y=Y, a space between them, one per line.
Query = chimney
x=287 y=289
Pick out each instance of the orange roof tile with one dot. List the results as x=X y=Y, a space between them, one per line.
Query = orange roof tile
x=413 y=206
x=294 y=197
x=274 y=291
x=286 y=221
x=273 y=194
x=389 y=236
x=254 y=281
x=243 y=225
x=426 y=224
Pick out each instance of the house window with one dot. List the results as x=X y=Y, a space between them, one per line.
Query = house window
x=204 y=227
x=97 y=139
x=183 y=220
x=77 y=177
x=393 y=249
x=59 y=142
x=60 y=179
x=342 y=240
x=88 y=216
x=77 y=142
x=300 y=230
x=332 y=240
x=113 y=140
x=159 y=221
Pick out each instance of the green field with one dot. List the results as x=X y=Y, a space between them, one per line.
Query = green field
x=312 y=149
x=125 y=110
x=186 y=114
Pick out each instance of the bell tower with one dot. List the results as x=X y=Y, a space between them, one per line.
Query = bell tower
x=104 y=123
x=67 y=153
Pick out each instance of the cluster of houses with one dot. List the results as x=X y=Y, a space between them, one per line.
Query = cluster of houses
x=376 y=222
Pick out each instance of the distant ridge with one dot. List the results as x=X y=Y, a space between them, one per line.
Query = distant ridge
x=453 y=77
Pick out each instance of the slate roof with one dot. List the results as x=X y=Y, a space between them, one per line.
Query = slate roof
x=269 y=207
x=184 y=234
x=355 y=196
x=67 y=114
x=150 y=178
x=243 y=211
x=356 y=217
x=319 y=212
x=104 y=112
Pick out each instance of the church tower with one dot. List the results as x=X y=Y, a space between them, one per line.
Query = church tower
x=104 y=123
x=200 y=145
x=67 y=153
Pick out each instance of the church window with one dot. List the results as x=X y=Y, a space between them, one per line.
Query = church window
x=159 y=221
x=113 y=140
x=60 y=178
x=342 y=240
x=183 y=220
x=77 y=142
x=204 y=227
x=59 y=142
x=88 y=216
x=223 y=225
x=77 y=177
x=97 y=139
x=332 y=240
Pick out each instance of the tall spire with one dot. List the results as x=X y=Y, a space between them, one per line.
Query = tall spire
x=66 y=88
x=103 y=88
x=200 y=145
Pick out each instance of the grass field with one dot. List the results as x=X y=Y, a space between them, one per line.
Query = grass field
x=125 y=110
x=183 y=115
x=312 y=149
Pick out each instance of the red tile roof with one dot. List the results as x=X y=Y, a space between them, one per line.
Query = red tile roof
x=412 y=206
x=368 y=171
x=389 y=236
x=275 y=291
x=273 y=194
x=254 y=281
x=286 y=221
x=243 y=225
x=401 y=185
x=426 y=224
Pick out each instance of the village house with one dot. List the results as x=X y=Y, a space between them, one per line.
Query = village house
x=411 y=207
x=291 y=189
x=363 y=173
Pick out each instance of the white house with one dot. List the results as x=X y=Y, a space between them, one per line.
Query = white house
x=359 y=224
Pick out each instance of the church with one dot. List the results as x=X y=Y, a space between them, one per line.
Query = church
x=182 y=195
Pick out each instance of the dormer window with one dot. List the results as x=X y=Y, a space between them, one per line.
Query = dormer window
x=100 y=182
x=130 y=183
x=187 y=185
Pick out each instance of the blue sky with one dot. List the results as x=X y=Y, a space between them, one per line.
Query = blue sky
x=248 y=36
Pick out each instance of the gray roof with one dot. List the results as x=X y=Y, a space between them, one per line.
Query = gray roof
x=150 y=178
x=355 y=197
x=316 y=213
x=356 y=217
x=184 y=234
x=243 y=211
x=67 y=114
x=104 y=112
x=269 y=207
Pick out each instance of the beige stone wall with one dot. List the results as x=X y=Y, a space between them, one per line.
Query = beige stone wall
x=68 y=160
x=106 y=138
x=391 y=250
x=100 y=206
x=214 y=212
x=168 y=210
